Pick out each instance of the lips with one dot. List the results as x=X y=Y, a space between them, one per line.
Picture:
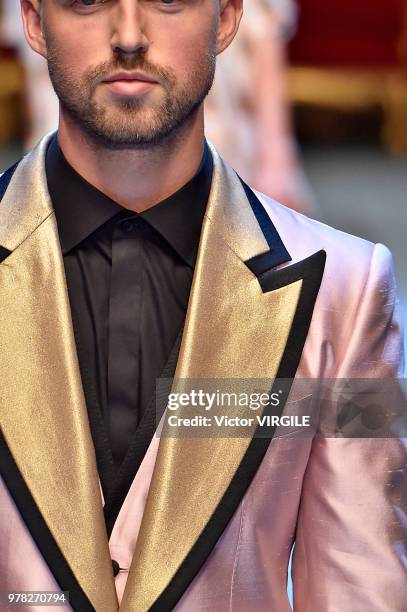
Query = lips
x=130 y=84
x=130 y=76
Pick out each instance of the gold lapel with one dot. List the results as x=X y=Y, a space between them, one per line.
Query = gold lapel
x=232 y=330
x=52 y=470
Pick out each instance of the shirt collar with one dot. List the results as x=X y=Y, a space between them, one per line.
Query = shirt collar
x=81 y=209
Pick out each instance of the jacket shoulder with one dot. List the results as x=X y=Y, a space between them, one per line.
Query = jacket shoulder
x=303 y=236
x=352 y=263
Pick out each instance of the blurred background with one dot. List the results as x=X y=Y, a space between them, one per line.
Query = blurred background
x=309 y=105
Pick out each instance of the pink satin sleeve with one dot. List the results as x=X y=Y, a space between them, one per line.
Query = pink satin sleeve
x=351 y=539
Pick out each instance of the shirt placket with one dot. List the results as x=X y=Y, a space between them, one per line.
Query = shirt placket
x=124 y=334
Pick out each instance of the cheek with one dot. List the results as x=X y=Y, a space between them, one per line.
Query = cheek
x=180 y=41
x=184 y=52
x=79 y=48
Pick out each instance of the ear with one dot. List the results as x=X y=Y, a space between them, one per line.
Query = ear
x=31 y=11
x=231 y=12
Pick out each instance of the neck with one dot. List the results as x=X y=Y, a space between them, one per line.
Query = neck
x=136 y=179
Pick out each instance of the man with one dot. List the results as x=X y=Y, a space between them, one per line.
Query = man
x=131 y=252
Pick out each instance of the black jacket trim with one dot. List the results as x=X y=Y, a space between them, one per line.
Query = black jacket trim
x=310 y=271
x=4 y=183
x=40 y=531
x=278 y=253
x=5 y=179
x=4 y=253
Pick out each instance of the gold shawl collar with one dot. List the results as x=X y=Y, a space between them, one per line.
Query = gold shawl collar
x=42 y=406
x=232 y=329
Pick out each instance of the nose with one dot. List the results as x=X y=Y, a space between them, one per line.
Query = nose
x=129 y=28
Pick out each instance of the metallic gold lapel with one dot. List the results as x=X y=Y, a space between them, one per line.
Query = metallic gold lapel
x=49 y=452
x=232 y=330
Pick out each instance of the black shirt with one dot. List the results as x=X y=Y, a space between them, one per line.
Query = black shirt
x=129 y=277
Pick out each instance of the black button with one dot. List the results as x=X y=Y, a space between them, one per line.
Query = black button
x=127 y=226
x=116 y=567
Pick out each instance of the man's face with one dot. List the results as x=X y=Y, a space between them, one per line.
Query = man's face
x=167 y=48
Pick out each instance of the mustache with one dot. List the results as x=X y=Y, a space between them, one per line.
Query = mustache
x=129 y=62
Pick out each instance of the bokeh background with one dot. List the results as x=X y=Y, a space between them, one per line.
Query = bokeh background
x=320 y=87
x=349 y=88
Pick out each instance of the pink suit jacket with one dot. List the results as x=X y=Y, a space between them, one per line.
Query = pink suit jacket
x=208 y=524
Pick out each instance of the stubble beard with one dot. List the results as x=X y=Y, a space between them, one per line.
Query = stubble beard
x=130 y=122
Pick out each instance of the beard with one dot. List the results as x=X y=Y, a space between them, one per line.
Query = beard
x=130 y=122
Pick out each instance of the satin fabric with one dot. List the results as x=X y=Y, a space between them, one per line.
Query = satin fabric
x=338 y=498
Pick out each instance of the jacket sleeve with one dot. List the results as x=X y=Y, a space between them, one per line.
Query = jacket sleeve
x=351 y=540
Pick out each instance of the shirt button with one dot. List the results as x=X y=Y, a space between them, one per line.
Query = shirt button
x=127 y=226
x=115 y=567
